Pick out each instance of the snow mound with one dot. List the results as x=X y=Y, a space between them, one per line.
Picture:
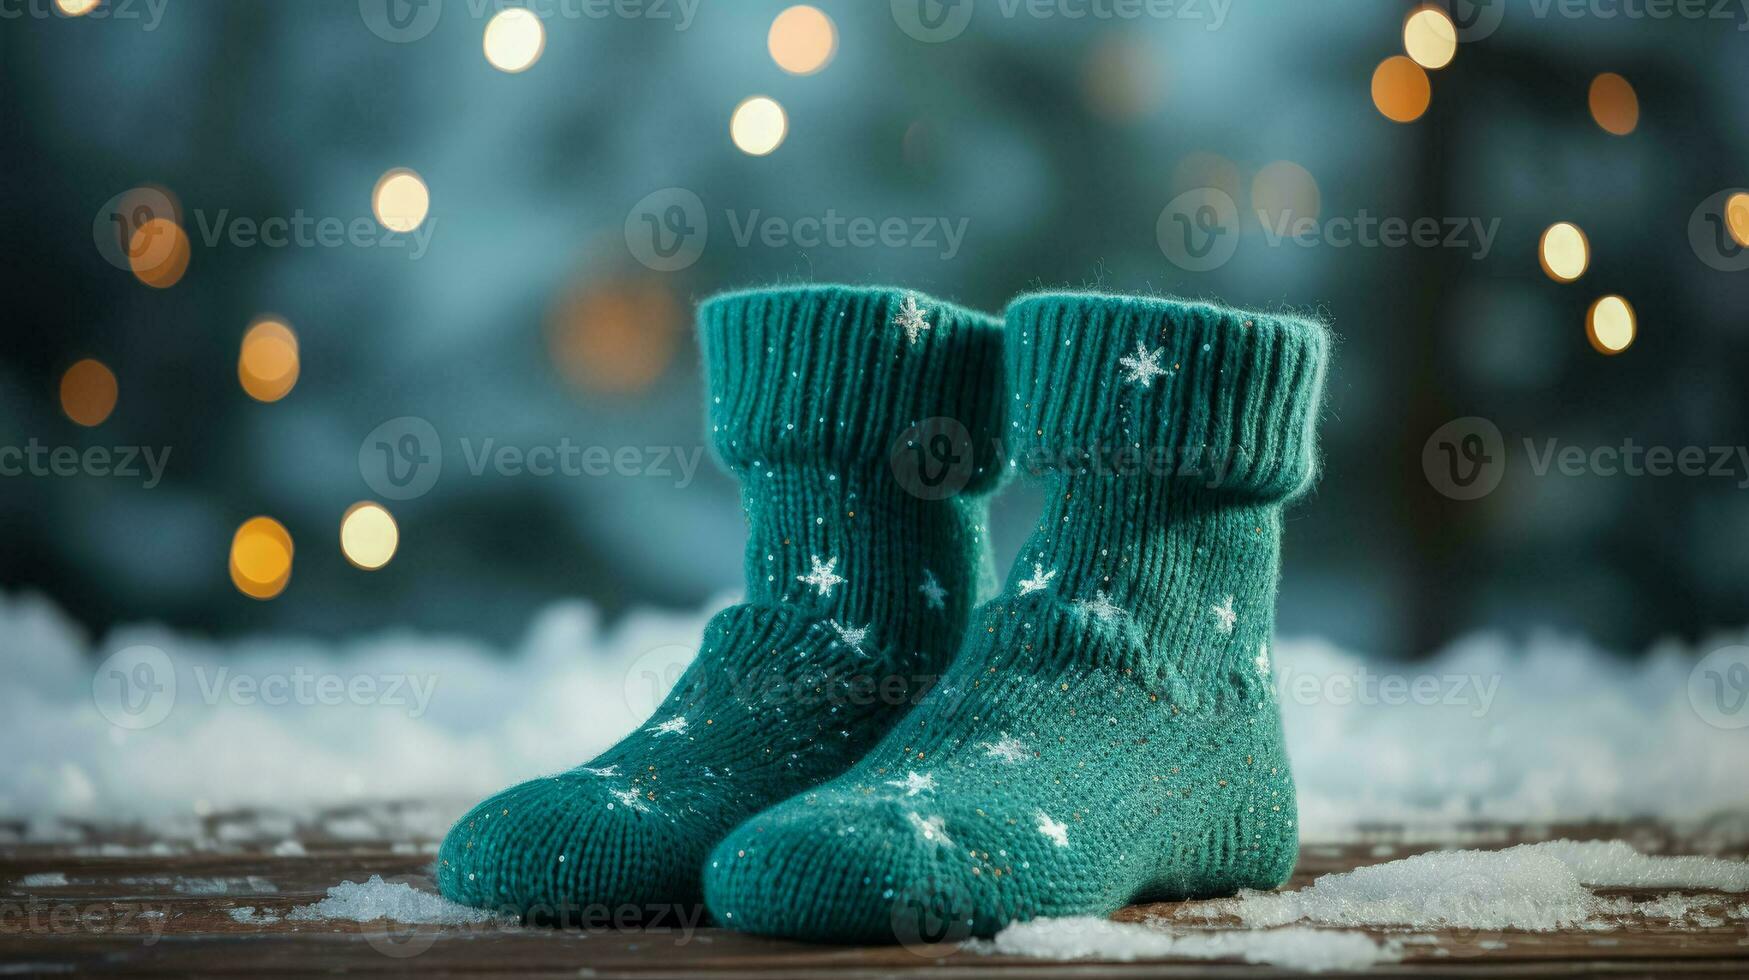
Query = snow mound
x=245 y=914
x=45 y=879
x=396 y=901
x=1081 y=937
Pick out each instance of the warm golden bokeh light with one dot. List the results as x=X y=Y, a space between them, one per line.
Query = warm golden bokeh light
x=616 y=337
x=1124 y=78
x=76 y=8
x=267 y=363
x=401 y=200
x=1737 y=217
x=261 y=558
x=1430 y=38
x=1400 y=89
x=368 y=535
x=88 y=392
x=158 y=253
x=1610 y=325
x=514 y=40
x=1614 y=104
x=758 y=126
x=802 y=40
x=1564 y=251
x=1283 y=192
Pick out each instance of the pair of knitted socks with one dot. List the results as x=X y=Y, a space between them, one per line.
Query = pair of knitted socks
x=857 y=753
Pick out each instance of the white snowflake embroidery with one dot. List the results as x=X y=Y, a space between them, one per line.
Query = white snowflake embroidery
x=932 y=829
x=604 y=771
x=911 y=319
x=822 y=577
x=1100 y=607
x=1007 y=748
x=1225 y=617
x=1057 y=831
x=629 y=798
x=914 y=782
x=1040 y=580
x=1262 y=660
x=1143 y=366
x=851 y=638
x=933 y=593
x=673 y=726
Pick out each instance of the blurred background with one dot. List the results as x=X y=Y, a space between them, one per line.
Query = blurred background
x=269 y=262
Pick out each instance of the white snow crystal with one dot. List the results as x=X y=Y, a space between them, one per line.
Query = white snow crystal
x=1225 y=617
x=852 y=638
x=932 y=829
x=914 y=783
x=1056 y=830
x=397 y=901
x=246 y=915
x=933 y=594
x=1100 y=607
x=1007 y=748
x=1082 y=937
x=1040 y=580
x=630 y=798
x=673 y=726
x=821 y=576
x=911 y=319
x=1143 y=366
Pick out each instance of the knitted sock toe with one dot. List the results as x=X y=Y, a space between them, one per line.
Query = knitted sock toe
x=1108 y=731
x=830 y=404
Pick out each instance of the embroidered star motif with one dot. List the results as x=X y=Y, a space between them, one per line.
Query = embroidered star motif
x=933 y=593
x=1100 y=607
x=1056 y=830
x=1143 y=366
x=911 y=319
x=1039 y=581
x=914 y=783
x=673 y=726
x=931 y=829
x=1007 y=748
x=851 y=638
x=822 y=577
x=1225 y=617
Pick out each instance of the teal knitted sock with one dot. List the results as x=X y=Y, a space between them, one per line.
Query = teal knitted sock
x=861 y=572
x=1107 y=732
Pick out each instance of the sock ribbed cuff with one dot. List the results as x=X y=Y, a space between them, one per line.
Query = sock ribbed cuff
x=831 y=375
x=1224 y=397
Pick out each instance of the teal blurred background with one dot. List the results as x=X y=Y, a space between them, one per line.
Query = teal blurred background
x=533 y=306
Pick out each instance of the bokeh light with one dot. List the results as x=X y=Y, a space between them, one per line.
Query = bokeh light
x=1564 y=251
x=401 y=200
x=1199 y=170
x=514 y=40
x=1429 y=37
x=158 y=253
x=1283 y=192
x=1614 y=104
x=88 y=392
x=1737 y=217
x=267 y=363
x=1400 y=89
x=1124 y=78
x=802 y=40
x=616 y=337
x=758 y=126
x=1610 y=325
x=261 y=558
x=76 y=8
x=368 y=535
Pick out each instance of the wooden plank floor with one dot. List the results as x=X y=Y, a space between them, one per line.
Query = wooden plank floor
x=124 y=909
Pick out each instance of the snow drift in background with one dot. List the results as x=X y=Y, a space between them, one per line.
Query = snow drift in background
x=1549 y=730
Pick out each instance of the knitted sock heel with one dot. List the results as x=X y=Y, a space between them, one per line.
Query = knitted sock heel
x=1108 y=731
x=861 y=564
